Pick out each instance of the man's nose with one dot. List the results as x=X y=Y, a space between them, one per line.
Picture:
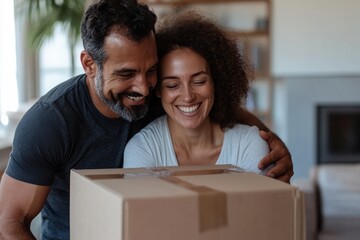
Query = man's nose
x=143 y=85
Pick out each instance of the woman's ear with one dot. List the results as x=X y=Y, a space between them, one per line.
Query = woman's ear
x=88 y=64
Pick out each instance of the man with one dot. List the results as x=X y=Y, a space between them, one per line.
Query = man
x=86 y=121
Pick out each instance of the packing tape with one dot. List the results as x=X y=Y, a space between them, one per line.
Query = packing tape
x=212 y=204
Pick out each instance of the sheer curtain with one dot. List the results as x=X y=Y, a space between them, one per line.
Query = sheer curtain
x=8 y=80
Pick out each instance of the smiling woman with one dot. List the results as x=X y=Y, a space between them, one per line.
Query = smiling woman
x=8 y=81
x=201 y=88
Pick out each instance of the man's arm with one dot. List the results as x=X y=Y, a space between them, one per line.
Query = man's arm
x=279 y=153
x=248 y=118
x=20 y=202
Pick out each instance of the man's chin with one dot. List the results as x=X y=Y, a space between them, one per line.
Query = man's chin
x=139 y=111
x=133 y=113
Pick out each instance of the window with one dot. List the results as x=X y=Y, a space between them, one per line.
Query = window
x=8 y=80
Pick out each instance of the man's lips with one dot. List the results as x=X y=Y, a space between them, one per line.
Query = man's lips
x=135 y=98
x=132 y=96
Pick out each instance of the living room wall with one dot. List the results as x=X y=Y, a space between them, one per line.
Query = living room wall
x=312 y=38
x=316 y=59
x=302 y=96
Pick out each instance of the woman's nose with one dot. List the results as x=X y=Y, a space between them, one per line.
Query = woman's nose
x=188 y=94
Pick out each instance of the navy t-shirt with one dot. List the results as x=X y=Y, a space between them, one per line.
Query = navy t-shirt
x=62 y=131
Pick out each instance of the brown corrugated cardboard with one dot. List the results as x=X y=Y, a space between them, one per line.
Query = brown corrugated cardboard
x=183 y=203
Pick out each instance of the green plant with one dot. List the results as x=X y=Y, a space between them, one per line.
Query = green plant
x=44 y=15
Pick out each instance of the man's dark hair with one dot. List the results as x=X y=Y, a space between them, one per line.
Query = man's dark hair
x=132 y=19
x=230 y=70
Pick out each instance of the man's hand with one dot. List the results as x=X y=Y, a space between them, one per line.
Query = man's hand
x=280 y=155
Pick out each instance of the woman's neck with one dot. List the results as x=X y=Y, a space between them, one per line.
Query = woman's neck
x=199 y=146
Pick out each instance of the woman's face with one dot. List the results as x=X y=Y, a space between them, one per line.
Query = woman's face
x=186 y=88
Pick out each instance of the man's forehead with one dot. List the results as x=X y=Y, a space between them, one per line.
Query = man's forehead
x=123 y=53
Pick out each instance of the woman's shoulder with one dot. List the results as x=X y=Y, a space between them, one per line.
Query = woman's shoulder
x=243 y=133
x=243 y=129
x=158 y=123
x=155 y=129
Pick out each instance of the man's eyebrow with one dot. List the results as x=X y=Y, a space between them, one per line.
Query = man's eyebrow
x=122 y=71
x=154 y=66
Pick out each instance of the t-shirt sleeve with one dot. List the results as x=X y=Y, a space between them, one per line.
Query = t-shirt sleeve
x=138 y=152
x=39 y=146
x=256 y=148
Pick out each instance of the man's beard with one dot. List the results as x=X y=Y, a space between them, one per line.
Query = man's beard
x=133 y=113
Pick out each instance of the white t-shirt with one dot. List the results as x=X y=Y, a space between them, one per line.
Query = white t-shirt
x=152 y=147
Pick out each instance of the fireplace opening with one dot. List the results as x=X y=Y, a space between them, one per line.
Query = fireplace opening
x=338 y=134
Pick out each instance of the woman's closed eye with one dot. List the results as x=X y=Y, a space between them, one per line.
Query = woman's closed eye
x=171 y=86
x=199 y=82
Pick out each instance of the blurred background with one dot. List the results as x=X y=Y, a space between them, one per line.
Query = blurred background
x=306 y=55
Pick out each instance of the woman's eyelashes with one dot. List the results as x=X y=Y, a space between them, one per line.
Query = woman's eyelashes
x=173 y=85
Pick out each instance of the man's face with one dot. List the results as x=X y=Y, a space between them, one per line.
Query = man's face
x=128 y=75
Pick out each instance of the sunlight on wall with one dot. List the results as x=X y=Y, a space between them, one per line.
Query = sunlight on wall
x=8 y=81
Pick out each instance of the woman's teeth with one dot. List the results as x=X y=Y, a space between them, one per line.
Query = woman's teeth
x=188 y=109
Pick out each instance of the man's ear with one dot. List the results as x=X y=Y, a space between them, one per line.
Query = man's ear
x=88 y=64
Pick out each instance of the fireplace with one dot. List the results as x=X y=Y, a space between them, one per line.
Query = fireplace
x=338 y=133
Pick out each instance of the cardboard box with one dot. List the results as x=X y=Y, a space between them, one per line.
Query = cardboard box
x=183 y=203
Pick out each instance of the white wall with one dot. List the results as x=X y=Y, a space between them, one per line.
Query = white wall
x=316 y=37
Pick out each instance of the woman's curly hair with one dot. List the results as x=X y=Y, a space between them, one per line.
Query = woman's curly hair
x=229 y=69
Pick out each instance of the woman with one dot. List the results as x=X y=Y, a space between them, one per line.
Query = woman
x=202 y=83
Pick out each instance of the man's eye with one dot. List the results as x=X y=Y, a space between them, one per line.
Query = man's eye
x=151 y=72
x=126 y=75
